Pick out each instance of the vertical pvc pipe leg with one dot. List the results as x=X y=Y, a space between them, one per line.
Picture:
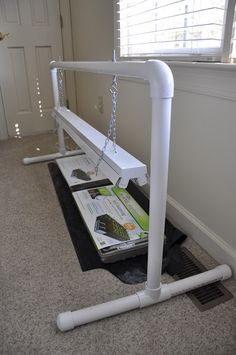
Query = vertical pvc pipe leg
x=55 y=88
x=160 y=138
x=56 y=99
x=61 y=140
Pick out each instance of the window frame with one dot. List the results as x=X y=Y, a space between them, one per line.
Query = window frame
x=223 y=57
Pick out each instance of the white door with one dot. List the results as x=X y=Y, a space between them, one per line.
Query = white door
x=34 y=40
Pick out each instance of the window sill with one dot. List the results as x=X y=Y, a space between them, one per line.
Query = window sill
x=203 y=65
x=210 y=79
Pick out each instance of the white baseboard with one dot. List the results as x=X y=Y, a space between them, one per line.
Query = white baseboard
x=215 y=246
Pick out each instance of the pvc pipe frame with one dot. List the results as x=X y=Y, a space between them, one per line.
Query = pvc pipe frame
x=161 y=83
x=61 y=154
x=70 y=320
x=60 y=135
x=48 y=157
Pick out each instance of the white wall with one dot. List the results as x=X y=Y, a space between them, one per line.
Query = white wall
x=202 y=174
x=92 y=23
x=92 y=33
x=202 y=165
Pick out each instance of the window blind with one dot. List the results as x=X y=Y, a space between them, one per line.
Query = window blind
x=151 y=28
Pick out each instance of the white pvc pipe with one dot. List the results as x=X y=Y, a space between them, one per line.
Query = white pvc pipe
x=55 y=89
x=156 y=72
x=61 y=140
x=48 y=157
x=219 y=273
x=69 y=320
x=160 y=137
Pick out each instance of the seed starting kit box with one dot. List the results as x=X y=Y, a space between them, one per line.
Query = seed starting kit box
x=117 y=224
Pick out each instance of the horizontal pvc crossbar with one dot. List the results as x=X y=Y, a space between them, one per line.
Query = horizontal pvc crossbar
x=156 y=72
x=53 y=156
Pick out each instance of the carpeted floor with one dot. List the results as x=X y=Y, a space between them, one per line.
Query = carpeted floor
x=40 y=276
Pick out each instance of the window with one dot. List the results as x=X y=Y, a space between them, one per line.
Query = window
x=191 y=29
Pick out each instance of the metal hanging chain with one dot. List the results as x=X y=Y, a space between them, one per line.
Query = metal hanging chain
x=60 y=77
x=114 y=93
x=112 y=124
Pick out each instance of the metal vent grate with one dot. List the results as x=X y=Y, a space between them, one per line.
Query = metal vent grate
x=205 y=297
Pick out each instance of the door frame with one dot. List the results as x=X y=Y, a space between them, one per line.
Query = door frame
x=68 y=51
x=3 y=123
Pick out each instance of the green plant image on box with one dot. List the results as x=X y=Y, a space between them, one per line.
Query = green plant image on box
x=104 y=191
x=136 y=211
x=143 y=235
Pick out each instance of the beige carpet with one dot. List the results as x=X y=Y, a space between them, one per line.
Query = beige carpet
x=40 y=276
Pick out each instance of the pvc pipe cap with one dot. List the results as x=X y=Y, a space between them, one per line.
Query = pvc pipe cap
x=65 y=321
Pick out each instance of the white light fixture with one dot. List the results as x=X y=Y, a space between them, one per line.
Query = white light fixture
x=119 y=166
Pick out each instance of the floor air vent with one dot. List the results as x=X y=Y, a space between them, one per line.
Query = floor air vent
x=205 y=297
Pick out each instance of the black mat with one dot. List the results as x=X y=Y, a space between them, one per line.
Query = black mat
x=130 y=271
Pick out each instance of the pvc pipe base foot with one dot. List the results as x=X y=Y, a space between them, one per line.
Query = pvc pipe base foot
x=48 y=157
x=70 y=320
x=225 y=270
x=65 y=321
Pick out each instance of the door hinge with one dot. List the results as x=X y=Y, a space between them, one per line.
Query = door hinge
x=67 y=103
x=61 y=21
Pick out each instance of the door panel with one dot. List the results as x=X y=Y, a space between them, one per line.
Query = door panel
x=10 y=11
x=20 y=79
x=39 y=11
x=34 y=40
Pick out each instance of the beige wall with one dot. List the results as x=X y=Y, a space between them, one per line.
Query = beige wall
x=92 y=32
x=92 y=23
x=201 y=189
x=202 y=164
